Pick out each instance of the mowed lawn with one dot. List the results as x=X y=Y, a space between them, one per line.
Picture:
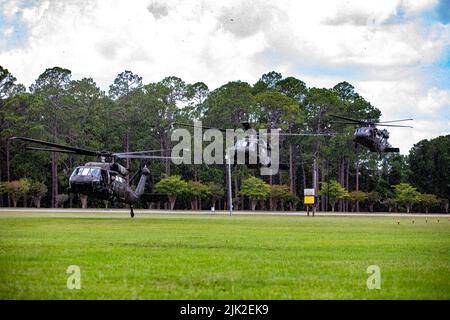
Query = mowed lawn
x=222 y=257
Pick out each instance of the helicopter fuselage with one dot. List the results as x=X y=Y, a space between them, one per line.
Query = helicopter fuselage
x=251 y=151
x=101 y=180
x=97 y=180
x=374 y=139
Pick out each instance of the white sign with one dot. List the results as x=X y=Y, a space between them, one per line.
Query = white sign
x=308 y=192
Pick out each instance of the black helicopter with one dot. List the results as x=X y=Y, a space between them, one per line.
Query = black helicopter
x=106 y=178
x=370 y=136
x=252 y=146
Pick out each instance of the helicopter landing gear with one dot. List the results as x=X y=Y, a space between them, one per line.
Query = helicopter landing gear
x=131 y=211
x=113 y=202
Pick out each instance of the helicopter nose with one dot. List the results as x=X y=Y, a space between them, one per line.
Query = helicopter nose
x=83 y=184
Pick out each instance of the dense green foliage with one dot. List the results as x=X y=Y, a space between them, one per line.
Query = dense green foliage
x=333 y=191
x=255 y=189
x=138 y=116
x=195 y=191
x=173 y=186
x=221 y=257
x=280 y=194
x=357 y=197
x=406 y=195
x=429 y=163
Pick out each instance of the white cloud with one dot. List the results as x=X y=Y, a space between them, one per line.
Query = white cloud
x=405 y=138
x=217 y=43
x=414 y=7
x=434 y=101
x=101 y=39
x=9 y=8
x=398 y=98
x=362 y=37
x=429 y=107
x=7 y=32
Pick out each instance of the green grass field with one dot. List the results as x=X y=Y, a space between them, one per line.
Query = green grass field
x=222 y=257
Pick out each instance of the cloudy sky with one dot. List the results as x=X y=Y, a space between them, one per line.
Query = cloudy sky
x=395 y=52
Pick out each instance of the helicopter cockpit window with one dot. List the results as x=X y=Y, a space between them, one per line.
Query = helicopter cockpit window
x=83 y=172
x=95 y=172
x=363 y=131
x=75 y=172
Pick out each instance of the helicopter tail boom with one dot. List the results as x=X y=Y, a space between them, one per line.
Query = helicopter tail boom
x=141 y=185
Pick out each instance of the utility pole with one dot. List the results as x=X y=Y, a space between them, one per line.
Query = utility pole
x=357 y=180
x=315 y=185
x=230 y=197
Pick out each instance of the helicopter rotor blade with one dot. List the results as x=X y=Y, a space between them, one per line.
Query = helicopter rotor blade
x=146 y=157
x=348 y=119
x=50 y=150
x=305 y=134
x=393 y=125
x=61 y=147
x=117 y=154
x=400 y=120
x=345 y=122
x=202 y=127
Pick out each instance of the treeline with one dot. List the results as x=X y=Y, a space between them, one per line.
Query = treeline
x=137 y=116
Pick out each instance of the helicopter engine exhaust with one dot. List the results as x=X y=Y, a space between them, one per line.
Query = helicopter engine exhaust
x=119 y=168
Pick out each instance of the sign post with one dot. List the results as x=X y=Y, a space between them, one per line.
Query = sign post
x=309 y=198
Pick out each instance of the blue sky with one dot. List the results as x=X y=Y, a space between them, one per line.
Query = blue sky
x=18 y=37
x=395 y=52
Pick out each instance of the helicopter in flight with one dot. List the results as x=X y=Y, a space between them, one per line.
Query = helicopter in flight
x=369 y=136
x=106 y=178
x=252 y=146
